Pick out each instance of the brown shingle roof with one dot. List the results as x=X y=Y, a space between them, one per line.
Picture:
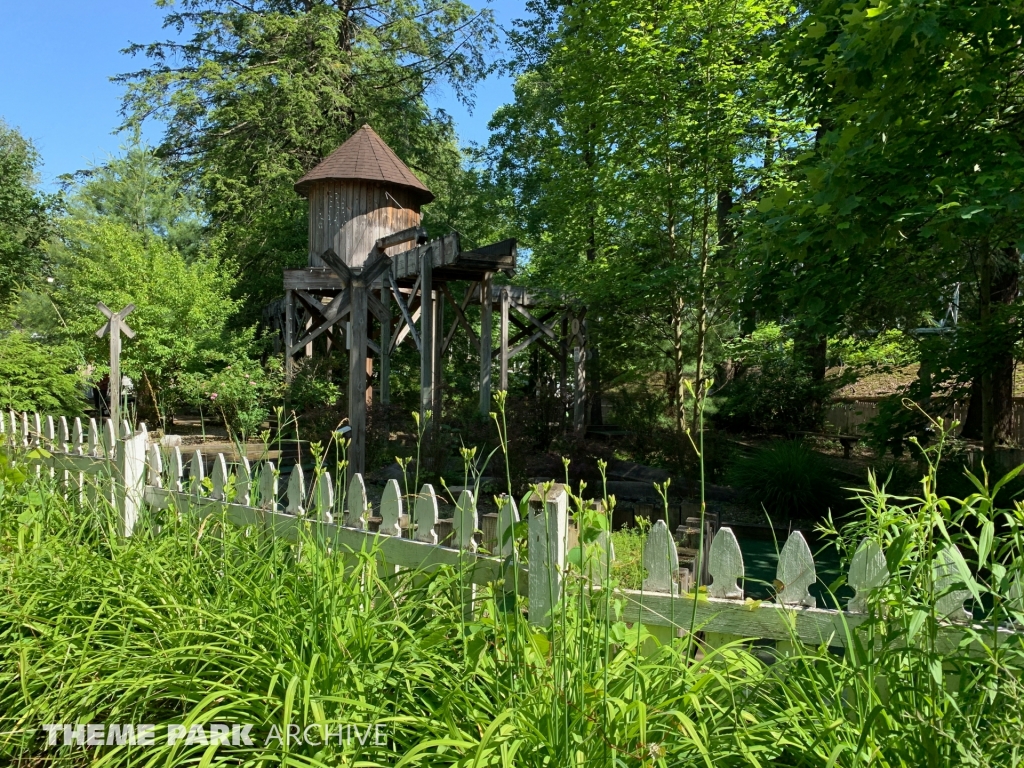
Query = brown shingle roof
x=365 y=156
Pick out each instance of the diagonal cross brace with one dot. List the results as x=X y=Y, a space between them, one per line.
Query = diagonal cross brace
x=119 y=322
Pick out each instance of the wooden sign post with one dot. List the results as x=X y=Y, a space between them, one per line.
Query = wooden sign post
x=115 y=326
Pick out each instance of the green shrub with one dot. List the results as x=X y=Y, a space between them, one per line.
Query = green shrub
x=642 y=413
x=888 y=349
x=39 y=377
x=313 y=388
x=779 y=396
x=787 y=478
x=241 y=393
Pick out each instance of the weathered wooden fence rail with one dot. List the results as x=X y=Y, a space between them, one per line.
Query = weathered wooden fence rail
x=123 y=468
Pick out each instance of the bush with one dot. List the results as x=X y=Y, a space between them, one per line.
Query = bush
x=642 y=413
x=38 y=377
x=241 y=393
x=313 y=388
x=779 y=396
x=787 y=478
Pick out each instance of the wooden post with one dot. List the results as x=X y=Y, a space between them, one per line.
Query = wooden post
x=503 y=349
x=130 y=474
x=563 y=369
x=485 y=343
x=385 y=345
x=661 y=560
x=579 y=357
x=115 y=326
x=548 y=530
x=426 y=332
x=357 y=379
x=115 y=369
x=437 y=387
x=289 y=333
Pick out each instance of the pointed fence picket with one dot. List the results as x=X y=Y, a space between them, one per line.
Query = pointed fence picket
x=122 y=467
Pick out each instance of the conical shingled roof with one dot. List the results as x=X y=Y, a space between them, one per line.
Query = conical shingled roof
x=365 y=156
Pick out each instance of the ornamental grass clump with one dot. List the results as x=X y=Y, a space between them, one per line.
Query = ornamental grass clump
x=787 y=479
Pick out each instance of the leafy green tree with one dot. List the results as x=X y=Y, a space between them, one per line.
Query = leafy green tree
x=908 y=193
x=259 y=92
x=184 y=318
x=25 y=220
x=36 y=377
x=138 y=189
x=632 y=134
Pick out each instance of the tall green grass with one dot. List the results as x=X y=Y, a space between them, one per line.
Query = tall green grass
x=208 y=623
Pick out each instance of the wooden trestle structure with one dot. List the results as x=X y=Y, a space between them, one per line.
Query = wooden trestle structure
x=347 y=192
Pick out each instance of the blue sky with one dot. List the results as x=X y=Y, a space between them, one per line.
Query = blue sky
x=56 y=60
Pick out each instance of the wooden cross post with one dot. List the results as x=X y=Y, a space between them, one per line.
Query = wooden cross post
x=115 y=326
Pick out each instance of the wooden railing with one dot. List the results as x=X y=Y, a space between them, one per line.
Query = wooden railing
x=129 y=472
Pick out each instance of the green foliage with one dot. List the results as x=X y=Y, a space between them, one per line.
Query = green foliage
x=136 y=188
x=642 y=413
x=778 y=396
x=259 y=636
x=633 y=126
x=768 y=342
x=313 y=388
x=184 y=312
x=628 y=566
x=39 y=378
x=242 y=393
x=25 y=222
x=889 y=349
x=788 y=479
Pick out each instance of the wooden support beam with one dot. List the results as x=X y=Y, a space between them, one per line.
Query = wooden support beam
x=437 y=388
x=335 y=311
x=426 y=331
x=376 y=307
x=563 y=365
x=311 y=302
x=503 y=348
x=460 y=318
x=289 y=330
x=524 y=329
x=410 y=321
x=334 y=261
x=419 y=234
x=542 y=325
x=485 y=344
x=579 y=356
x=521 y=346
x=357 y=378
x=408 y=330
x=374 y=267
x=385 y=345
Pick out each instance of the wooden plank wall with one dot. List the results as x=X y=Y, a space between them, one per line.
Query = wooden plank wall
x=350 y=216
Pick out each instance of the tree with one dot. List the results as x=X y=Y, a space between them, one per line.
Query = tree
x=184 y=318
x=25 y=223
x=910 y=190
x=138 y=189
x=41 y=378
x=630 y=138
x=261 y=91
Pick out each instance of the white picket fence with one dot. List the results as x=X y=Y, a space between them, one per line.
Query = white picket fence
x=126 y=469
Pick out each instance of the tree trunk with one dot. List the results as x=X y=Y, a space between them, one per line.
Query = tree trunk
x=678 y=361
x=811 y=353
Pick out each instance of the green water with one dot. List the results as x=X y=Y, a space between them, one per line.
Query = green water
x=760 y=559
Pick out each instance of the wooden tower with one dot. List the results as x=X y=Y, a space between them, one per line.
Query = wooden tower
x=359 y=194
x=367 y=252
